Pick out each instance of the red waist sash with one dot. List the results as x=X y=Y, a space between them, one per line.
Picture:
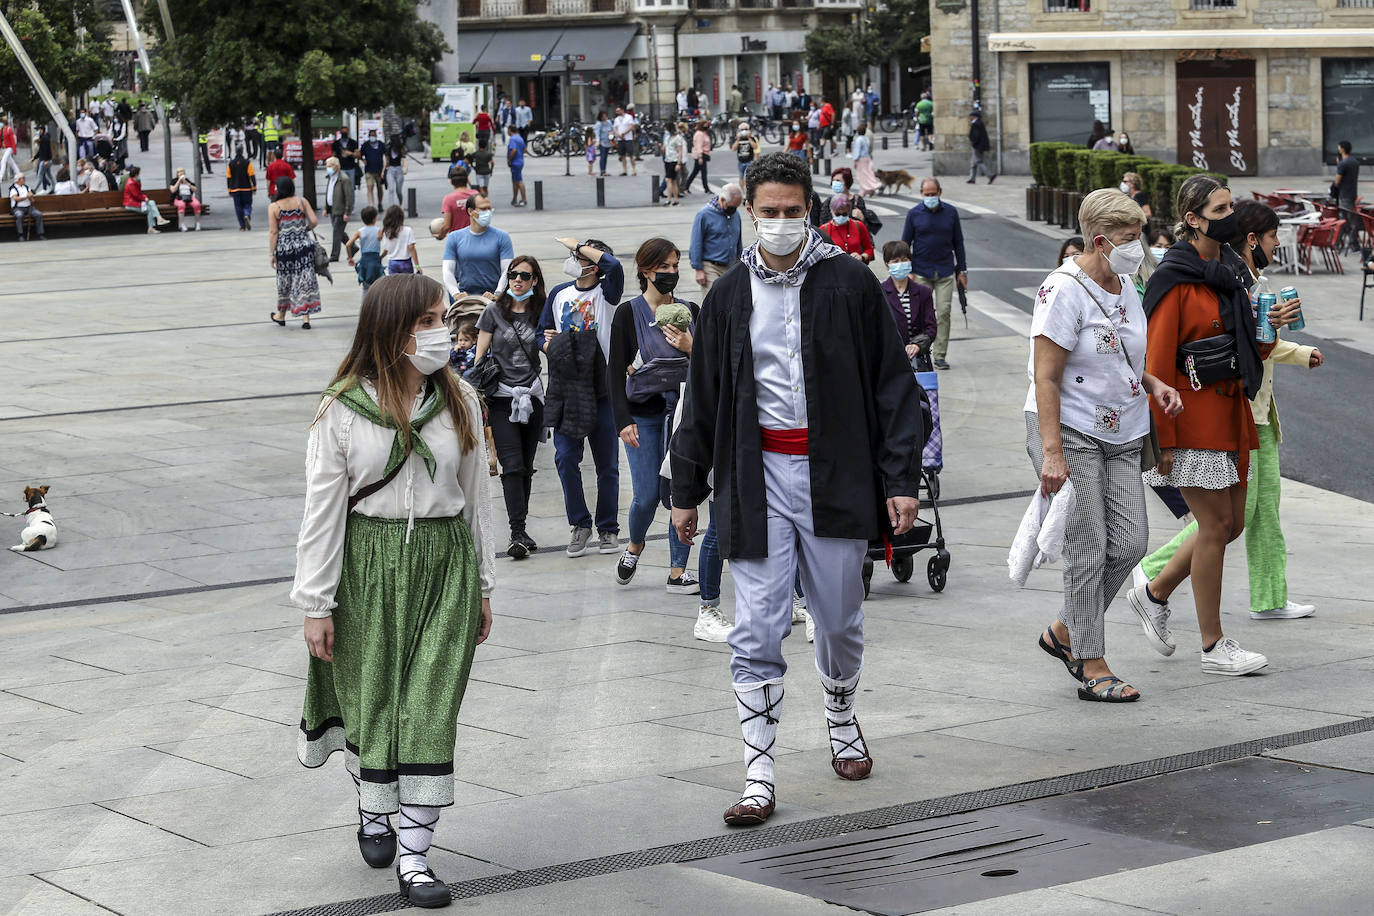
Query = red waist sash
x=785 y=441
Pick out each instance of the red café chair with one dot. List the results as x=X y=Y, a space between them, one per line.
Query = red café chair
x=1366 y=228
x=1326 y=238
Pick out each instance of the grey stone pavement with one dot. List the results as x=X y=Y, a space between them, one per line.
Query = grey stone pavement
x=151 y=670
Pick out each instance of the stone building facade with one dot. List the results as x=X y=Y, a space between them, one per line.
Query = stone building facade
x=1242 y=86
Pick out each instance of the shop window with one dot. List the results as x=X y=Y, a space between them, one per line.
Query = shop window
x=1068 y=6
x=1214 y=4
x=1348 y=107
x=1066 y=99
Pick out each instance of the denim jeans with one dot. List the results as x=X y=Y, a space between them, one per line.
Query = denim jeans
x=567 y=457
x=709 y=562
x=243 y=206
x=645 y=462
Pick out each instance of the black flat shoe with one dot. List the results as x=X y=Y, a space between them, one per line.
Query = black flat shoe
x=305 y=325
x=281 y=321
x=431 y=895
x=378 y=850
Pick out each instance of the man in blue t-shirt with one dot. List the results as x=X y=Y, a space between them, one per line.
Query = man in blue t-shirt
x=374 y=152
x=476 y=258
x=515 y=157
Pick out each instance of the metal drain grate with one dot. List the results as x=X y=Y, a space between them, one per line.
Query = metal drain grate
x=825 y=827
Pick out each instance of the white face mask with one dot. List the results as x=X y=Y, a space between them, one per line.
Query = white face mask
x=1125 y=188
x=1127 y=258
x=574 y=268
x=781 y=237
x=432 y=348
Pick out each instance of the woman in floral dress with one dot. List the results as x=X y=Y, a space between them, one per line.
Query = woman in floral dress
x=290 y=220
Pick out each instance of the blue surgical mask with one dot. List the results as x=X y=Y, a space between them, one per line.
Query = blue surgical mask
x=839 y=220
x=521 y=297
x=931 y=202
x=483 y=218
x=899 y=270
x=1158 y=253
x=837 y=187
x=329 y=171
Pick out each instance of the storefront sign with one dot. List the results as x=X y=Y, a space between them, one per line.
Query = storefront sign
x=715 y=89
x=452 y=115
x=748 y=45
x=758 y=88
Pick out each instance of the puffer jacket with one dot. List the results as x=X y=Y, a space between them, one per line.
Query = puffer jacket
x=577 y=381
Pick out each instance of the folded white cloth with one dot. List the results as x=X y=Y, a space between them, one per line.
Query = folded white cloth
x=1040 y=537
x=521 y=399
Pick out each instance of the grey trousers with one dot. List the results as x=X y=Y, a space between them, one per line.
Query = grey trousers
x=340 y=234
x=976 y=164
x=1107 y=535
x=831 y=573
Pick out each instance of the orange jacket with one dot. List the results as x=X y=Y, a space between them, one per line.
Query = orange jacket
x=1217 y=417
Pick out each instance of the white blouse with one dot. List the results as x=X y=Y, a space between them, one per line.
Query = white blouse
x=347 y=453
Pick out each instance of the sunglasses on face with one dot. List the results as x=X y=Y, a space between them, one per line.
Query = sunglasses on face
x=519 y=275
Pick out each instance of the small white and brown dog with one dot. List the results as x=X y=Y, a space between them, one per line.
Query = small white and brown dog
x=40 y=531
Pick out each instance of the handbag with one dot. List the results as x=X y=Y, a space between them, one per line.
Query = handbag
x=485 y=376
x=1209 y=360
x=321 y=256
x=1150 y=454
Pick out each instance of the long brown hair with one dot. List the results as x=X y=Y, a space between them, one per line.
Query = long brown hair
x=390 y=309
x=393 y=220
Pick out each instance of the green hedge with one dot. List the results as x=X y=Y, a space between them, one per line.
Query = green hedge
x=1077 y=168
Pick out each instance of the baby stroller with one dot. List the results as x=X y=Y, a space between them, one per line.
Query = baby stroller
x=465 y=308
x=899 y=551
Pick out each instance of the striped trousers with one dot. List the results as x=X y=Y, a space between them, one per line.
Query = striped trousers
x=1107 y=534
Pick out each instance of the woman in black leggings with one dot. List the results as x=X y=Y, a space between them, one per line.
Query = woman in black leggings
x=506 y=330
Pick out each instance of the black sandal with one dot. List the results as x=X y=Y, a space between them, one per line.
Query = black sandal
x=273 y=316
x=1113 y=690
x=1061 y=652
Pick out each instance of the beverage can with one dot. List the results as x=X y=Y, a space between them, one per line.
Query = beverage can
x=1264 y=329
x=1286 y=294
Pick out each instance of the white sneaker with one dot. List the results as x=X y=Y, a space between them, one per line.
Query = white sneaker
x=1154 y=620
x=1228 y=658
x=1289 y=611
x=801 y=615
x=712 y=625
x=1138 y=577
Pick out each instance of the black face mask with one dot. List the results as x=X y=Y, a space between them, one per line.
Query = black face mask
x=1221 y=230
x=1259 y=257
x=728 y=211
x=665 y=283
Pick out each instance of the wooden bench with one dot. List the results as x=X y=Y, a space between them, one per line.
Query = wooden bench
x=94 y=207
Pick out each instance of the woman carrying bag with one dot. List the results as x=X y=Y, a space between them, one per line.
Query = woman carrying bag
x=394 y=573
x=1202 y=340
x=647 y=366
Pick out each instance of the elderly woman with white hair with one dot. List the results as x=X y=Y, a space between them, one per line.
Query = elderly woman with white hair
x=1087 y=420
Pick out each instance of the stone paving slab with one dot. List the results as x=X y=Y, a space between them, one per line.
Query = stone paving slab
x=28 y=896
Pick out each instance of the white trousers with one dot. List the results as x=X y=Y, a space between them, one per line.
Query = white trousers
x=831 y=575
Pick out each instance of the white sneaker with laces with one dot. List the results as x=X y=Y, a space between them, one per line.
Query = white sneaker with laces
x=1154 y=619
x=801 y=615
x=1289 y=611
x=1228 y=658
x=712 y=625
x=625 y=569
x=1138 y=577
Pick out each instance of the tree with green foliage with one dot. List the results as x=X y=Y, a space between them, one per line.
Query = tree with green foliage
x=899 y=26
x=229 y=60
x=67 y=40
x=838 y=51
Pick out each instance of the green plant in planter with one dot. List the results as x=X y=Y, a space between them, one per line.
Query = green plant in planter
x=1106 y=169
x=1065 y=167
x=1082 y=170
x=1044 y=166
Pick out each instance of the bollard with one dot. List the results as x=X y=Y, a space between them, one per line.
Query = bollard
x=815 y=166
x=904 y=140
x=539 y=195
x=884 y=143
x=412 y=212
x=654 y=182
x=601 y=192
x=828 y=169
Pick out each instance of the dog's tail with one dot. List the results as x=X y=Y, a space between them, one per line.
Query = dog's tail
x=38 y=543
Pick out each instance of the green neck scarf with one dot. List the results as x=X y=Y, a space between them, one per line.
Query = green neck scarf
x=357 y=399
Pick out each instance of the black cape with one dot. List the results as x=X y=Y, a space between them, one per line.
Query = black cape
x=1228 y=277
x=862 y=400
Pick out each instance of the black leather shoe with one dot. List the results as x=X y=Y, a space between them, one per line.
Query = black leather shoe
x=431 y=895
x=378 y=850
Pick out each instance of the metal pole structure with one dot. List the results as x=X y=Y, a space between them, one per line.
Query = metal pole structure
x=190 y=119
x=563 y=108
x=977 y=90
x=143 y=61
x=997 y=83
x=39 y=86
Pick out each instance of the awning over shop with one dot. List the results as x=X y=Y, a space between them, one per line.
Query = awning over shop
x=471 y=44
x=493 y=52
x=603 y=46
x=1182 y=39
x=508 y=51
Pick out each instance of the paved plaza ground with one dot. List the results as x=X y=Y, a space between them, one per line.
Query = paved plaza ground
x=151 y=670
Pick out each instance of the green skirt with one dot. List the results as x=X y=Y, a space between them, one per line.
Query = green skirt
x=405 y=630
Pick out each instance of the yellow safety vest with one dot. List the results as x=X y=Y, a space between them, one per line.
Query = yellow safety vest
x=269 y=129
